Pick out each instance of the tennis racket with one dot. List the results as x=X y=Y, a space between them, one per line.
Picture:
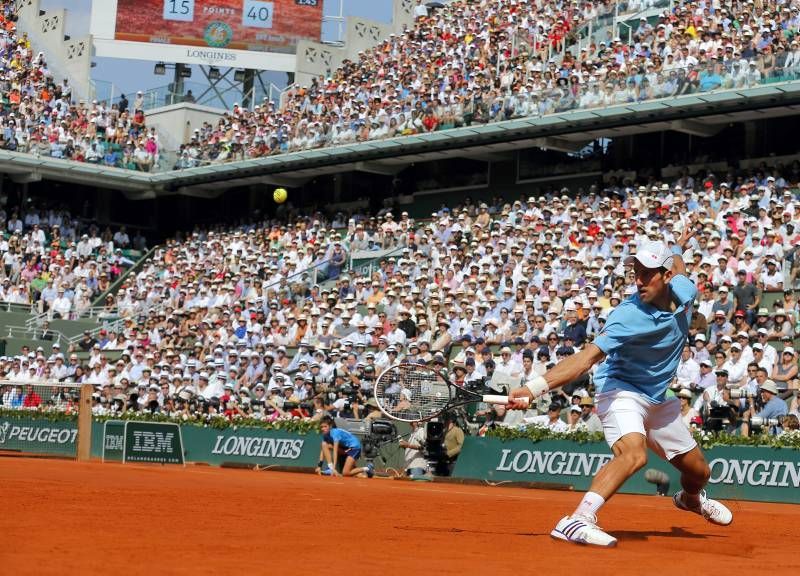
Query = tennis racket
x=411 y=392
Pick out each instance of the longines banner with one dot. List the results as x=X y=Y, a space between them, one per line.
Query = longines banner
x=250 y=446
x=737 y=472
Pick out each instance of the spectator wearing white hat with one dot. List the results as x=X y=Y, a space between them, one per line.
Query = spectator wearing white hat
x=506 y=364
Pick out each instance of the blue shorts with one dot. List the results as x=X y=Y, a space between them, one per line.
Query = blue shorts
x=354 y=453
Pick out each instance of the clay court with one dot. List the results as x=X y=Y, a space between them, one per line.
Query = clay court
x=64 y=517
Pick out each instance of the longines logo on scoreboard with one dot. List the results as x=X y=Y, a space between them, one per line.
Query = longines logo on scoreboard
x=212 y=56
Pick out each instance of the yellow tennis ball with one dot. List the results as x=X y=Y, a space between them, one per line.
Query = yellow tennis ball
x=280 y=195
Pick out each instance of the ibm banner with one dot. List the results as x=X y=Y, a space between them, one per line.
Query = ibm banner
x=737 y=472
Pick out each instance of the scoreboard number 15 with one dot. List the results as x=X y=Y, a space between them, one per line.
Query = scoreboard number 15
x=257 y=14
x=180 y=10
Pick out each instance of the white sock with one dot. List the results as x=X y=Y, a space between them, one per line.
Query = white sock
x=591 y=503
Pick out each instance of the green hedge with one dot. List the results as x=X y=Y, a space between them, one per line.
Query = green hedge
x=216 y=422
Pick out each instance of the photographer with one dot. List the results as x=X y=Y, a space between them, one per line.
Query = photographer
x=714 y=396
x=415 y=462
x=453 y=440
x=772 y=407
x=348 y=402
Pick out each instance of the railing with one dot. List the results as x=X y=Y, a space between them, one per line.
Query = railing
x=104 y=91
x=365 y=267
x=114 y=286
x=15 y=307
x=628 y=27
x=99 y=312
x=115 y=326
x=35 y=333
x=210 y=95
x=165 y=96
x=315 y=271
x=39 y=318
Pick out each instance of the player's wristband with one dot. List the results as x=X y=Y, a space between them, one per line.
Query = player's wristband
x=677 y=250
x=538 y=386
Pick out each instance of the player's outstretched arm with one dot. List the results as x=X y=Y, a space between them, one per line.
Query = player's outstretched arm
x=569 y=369
x=678 y=265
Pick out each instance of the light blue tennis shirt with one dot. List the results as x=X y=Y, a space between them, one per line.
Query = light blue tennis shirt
x=643 y=344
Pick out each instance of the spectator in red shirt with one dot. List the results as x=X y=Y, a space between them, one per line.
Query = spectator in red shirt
x=430 y=121
x=31 y=399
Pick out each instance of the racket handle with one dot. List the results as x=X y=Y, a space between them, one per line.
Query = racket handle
x=499 y=399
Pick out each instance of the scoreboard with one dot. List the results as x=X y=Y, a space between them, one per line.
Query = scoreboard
x=256 y=25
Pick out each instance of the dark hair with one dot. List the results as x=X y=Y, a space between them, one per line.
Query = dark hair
x=328 y=420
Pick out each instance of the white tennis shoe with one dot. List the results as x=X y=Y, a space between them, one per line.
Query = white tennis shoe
x=582 y=530
x=712 y=510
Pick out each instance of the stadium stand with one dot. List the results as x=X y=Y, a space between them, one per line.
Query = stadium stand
x=41 y=117
x=233 y=321
x=54 y=268
x=481 y=62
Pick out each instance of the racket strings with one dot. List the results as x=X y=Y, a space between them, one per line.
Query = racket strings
x=411 y=392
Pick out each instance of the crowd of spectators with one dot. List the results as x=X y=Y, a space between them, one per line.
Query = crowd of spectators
x=231 y=321
x=40 y=114
x=494 y=60
x=57 y=263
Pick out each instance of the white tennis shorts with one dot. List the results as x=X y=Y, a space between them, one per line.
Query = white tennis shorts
x=623 y=412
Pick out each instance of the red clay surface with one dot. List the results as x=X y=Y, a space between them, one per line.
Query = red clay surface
x=63 y=517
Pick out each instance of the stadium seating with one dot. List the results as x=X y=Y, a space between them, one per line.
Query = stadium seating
x=222 y=312
x=41 y=117
x=497 y=60
x=56 y=267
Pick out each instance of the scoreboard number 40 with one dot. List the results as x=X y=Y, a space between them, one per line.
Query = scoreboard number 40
x=180 y=10
x=257 y=14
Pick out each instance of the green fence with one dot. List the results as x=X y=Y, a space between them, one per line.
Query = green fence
x=243 y=445
x=737 y=472
x=217 y=447
x=20 y=433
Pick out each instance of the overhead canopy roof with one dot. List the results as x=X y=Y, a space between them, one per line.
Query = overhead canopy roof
x=698 y=114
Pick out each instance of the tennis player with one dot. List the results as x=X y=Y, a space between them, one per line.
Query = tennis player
x=338 y=443
x=640 y=348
